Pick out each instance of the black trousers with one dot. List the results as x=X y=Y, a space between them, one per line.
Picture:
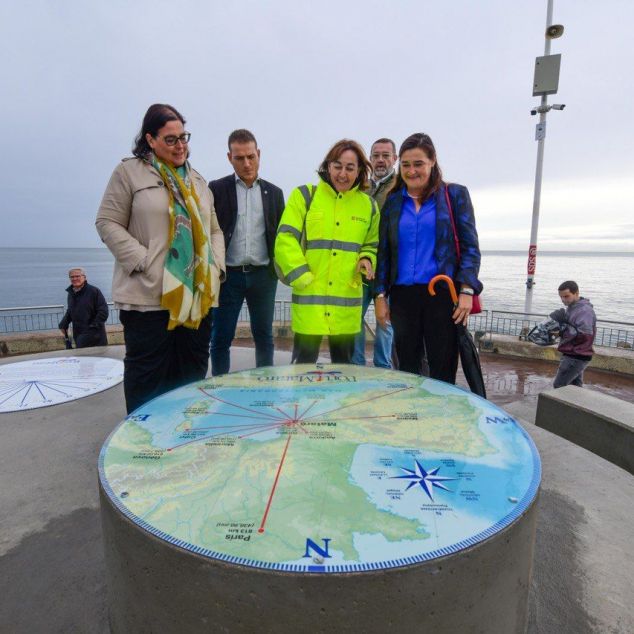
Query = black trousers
x=306 y=348
x=422 y=324
x=158 y=360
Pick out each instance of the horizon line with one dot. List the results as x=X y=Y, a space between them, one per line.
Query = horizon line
x=489 y=250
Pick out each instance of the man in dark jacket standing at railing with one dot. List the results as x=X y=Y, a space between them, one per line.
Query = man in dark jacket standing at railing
x=87 y=310
x=578 y=328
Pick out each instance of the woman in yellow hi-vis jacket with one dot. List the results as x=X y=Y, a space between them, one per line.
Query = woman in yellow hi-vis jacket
x=327 y=238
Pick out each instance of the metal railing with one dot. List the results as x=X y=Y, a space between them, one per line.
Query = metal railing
x=610 y=334
x=40 y=318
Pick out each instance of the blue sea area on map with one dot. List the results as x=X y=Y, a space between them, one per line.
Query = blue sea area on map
x=492 y=487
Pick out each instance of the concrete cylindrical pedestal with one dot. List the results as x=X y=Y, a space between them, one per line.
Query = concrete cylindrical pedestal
x=318 y=498
x=157 y=587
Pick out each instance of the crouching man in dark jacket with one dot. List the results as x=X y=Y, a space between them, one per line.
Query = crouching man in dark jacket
x=578 y=330
x=87 y=310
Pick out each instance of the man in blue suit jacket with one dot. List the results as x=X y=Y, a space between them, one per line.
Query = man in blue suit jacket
x=248 y=210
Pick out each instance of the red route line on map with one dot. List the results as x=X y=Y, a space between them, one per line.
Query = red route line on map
x=296 y=422
x=277 y=477
x=365 y=417
x=338 y=409
x=253 y=433
x=284 y=413
x=283 y=422
x=234 y=426
x=247 y=409
x=265 y=417
x=301 y=417
x=225 y=433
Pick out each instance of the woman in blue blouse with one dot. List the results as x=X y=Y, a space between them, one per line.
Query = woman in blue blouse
x=416 y=242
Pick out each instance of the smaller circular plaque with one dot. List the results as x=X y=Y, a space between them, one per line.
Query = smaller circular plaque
x=43 y=382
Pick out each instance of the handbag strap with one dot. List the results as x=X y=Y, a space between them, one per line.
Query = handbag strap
x=453 y=222
x=476 y=300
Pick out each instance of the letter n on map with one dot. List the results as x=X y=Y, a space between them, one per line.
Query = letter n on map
x=311 y=545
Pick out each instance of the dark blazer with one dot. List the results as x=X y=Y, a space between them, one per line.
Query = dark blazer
x=464 y=271
x=226 y=204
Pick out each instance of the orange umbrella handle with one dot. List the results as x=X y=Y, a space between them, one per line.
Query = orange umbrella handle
x=444 y=278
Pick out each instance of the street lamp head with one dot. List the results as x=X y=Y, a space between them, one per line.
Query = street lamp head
x=554 y=31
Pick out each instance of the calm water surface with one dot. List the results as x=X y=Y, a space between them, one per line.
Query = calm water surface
x=36 y=277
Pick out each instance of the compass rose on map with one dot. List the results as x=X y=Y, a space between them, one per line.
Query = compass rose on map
x=426 y=479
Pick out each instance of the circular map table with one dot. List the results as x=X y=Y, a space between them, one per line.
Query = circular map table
x=44 y=382
x=315 y=472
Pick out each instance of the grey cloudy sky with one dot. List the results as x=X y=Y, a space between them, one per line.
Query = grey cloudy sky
x=77 y=78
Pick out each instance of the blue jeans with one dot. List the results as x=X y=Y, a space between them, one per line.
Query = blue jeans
x=258 y=288
x=570 y=372
x=382 y=340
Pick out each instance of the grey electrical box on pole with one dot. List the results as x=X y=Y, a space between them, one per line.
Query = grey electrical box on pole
x=546 y=80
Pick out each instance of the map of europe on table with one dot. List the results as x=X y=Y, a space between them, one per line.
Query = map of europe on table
x=43 y=382
x=320 y=468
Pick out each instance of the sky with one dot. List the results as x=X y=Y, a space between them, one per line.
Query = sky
x=78 y=77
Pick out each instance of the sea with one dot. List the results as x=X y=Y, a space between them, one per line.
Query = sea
x=39 y=277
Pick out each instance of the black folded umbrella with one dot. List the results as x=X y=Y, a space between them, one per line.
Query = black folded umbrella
x=67 y=341
x=469 y=357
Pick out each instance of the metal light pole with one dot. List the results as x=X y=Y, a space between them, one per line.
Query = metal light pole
x=546 y=82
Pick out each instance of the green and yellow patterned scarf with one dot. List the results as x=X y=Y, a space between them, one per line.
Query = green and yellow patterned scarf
x=187 y=270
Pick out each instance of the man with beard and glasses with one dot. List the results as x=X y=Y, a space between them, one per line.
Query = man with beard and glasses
x=382 y=158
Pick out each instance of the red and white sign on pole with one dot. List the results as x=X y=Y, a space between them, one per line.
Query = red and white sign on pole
x=532 y=259
x=530 y=270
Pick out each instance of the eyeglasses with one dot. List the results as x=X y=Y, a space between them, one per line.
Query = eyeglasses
x=351 y=168
x=173 y=140
x=74 y=277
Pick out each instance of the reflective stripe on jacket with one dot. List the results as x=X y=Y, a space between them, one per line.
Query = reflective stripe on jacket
x=341 y=228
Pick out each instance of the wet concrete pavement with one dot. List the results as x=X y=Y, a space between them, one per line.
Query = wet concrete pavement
x=511 y=379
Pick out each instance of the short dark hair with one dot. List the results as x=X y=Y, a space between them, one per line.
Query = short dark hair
x=569 y=285
x=155 y=118
x=384 y=140
x=335 y=152
x=241 y=136
x=423 y=142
